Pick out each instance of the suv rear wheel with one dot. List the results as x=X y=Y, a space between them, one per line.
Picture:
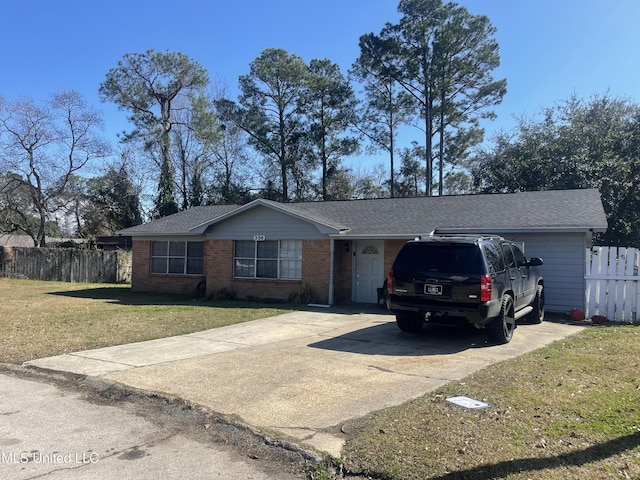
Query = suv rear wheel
x=409 y=322
x=500 y=329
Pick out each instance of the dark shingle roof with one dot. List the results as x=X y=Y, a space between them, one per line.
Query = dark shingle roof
x=182 y=222
x=555 y=210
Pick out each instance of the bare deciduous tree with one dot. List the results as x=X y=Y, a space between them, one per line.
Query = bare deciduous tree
x=42 y=147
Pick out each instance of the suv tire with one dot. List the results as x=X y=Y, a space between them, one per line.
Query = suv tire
x=409 y=322
x=537 y=315
x=500 y=329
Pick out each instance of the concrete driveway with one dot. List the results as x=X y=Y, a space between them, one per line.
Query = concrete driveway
x=305 y=374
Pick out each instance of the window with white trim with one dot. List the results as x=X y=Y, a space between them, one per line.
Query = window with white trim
x=268 y=259
x=181 y=258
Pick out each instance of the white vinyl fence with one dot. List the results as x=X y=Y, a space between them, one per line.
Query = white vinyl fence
x=613 y=284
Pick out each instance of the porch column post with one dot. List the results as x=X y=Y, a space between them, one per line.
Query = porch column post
x=331 y=257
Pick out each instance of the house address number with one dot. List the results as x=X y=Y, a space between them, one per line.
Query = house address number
x=259 y=238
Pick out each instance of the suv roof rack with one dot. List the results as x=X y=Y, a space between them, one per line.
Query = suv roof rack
x=435 y=233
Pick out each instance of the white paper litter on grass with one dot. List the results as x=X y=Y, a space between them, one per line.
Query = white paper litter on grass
x=467 y=402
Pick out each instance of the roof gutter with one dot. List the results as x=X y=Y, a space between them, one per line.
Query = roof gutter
x=167 y=235
x=521 y=230
x=378 y=236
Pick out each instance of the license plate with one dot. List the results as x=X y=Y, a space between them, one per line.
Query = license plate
x=433 y=289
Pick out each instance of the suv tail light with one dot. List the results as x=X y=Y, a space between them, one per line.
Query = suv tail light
x=390 y=282
x=485 y=288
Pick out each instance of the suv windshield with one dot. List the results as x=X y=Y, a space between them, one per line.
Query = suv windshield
x=440 y=258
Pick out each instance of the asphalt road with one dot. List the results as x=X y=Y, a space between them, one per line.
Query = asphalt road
x=48 y=430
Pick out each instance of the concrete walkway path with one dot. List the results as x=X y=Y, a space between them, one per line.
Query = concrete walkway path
x=304 y=374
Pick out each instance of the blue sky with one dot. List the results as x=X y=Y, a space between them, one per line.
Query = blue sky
x=550 y=49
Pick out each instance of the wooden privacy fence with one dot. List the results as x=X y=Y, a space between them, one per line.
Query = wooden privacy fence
x=613 y=284
x=66 y=265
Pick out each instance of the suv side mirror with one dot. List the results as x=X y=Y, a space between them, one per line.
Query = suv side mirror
x=534 y=262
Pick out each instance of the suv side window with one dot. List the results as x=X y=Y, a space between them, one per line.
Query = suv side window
x=494 y=258
x=521 y=261
x=508 y=255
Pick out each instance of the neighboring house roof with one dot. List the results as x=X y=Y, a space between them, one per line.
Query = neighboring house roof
x=13 y=240
x=20 y=240
x=553 y=210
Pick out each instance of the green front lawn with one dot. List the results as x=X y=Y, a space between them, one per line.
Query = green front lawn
x=568 y=411
x=40 y=319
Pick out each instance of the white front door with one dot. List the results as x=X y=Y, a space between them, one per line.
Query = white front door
x=368 y=270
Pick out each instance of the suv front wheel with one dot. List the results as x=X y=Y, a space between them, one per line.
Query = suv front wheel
x=500 y=329
x=537 y=315
x=409 y=322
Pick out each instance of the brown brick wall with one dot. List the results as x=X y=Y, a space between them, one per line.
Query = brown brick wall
x=218 y=271
x=140 y=257
x=316 y=260
x=143 y=281
x=218 y=265
x=391 y=249
x=265 y=289
x=342 y=275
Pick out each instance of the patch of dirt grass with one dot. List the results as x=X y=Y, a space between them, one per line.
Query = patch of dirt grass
x=40 y=319
x=568 y=411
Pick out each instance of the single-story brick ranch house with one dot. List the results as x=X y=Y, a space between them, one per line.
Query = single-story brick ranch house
x=341 y=251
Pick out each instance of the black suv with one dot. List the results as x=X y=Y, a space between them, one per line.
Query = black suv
x=482 y=280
